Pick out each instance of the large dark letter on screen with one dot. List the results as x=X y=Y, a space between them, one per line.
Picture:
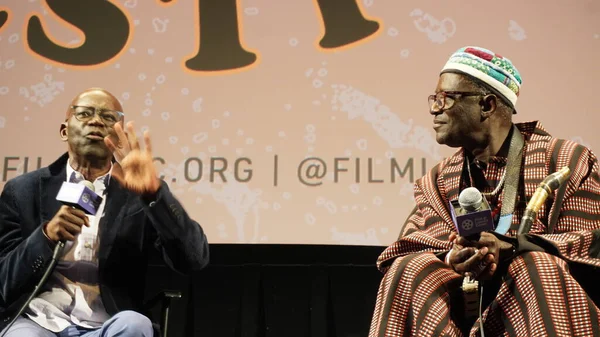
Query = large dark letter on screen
x=344 y=23
x=220 y=47
x=105 y=26
x=3 y=18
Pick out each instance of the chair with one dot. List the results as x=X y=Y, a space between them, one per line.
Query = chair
x=165 y=298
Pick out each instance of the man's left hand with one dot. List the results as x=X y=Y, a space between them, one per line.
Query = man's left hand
x=492 y=257
x=135 y=167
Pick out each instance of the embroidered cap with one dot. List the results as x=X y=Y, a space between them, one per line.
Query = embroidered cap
x=490 y=68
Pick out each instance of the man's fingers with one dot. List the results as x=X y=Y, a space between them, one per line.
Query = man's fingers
x=71 y=214
x=452 y=237
x=461 y=240
x=463 y=254
x=117 y=174
x=492 y=269
x=489 y=258
x=486 y=239
x=109 y=144
x=493 y=244
x=63 y=234
x=74 y=219
x=63 y=230
x=133 y=141
x=488 y=272
x=472 y=261
x=147 y=142
x=77 y=212
x=72 y=228
x=123 y=142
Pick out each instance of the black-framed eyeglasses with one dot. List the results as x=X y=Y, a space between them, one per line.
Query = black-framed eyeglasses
x=85 y=113
x=438 y=102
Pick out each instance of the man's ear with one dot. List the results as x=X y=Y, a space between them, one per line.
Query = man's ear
x=64 y=135
x=488 y=105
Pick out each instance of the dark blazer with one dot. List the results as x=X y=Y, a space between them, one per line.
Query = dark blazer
x=129 y=232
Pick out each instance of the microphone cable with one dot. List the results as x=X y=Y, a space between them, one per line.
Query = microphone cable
x=56 y=253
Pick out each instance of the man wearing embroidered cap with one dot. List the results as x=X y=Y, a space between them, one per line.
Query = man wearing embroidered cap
x=529 y=287
x=494 y=70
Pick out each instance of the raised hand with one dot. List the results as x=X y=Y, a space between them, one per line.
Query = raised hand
x=135 y=168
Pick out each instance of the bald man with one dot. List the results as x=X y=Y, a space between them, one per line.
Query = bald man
x=97 y=286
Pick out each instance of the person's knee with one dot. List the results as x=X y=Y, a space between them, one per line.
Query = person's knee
x=26 y=327
x=541 y=259
x=134 y=324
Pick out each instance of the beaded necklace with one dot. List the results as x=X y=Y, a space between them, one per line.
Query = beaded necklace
x=496 y=210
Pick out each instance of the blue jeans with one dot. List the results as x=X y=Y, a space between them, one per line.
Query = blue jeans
x=123 y=324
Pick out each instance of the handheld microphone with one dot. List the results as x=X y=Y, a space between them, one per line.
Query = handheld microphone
x=545 y=188
x=81 y=196
x=471 y=213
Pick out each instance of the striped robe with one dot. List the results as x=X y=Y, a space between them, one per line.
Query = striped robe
x=537 y=294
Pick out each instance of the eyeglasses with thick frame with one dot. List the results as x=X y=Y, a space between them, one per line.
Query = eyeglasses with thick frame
x=86 y=113
x=438 y=102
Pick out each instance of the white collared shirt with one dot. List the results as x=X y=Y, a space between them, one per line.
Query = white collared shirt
x=71 y=296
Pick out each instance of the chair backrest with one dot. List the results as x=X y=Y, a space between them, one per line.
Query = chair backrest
x=165 y=298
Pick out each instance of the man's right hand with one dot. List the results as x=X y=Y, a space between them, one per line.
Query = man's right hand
x=66 y=224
